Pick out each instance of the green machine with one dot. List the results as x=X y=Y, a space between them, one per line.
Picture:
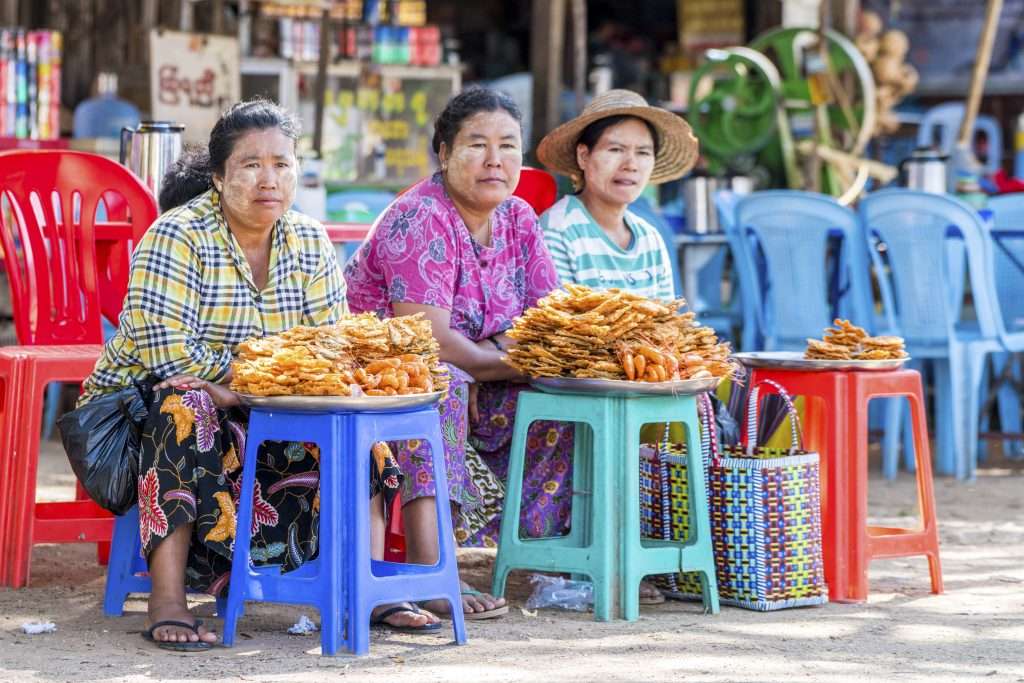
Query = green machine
x=784 y=107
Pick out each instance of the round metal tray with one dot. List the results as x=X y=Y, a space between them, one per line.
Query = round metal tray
x=621 y=387
x=794 y=360
x=340 y=404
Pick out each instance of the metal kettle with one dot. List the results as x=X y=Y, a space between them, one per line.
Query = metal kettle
x=699 y=202
x=150 y=148
x=924 y=170
x=699 y=190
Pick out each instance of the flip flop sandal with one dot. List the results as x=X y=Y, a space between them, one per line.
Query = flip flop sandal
x=480 y=616
x=174 y=645
x=425 y=628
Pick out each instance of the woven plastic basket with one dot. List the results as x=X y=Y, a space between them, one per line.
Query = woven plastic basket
x=765 y=509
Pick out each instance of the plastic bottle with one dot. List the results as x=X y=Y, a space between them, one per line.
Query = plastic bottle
x=310 y=192
x=104 y=115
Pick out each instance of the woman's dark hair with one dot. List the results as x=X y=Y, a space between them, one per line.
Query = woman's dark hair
x=192 y=174
x=470 y=101
x=187 y=177
x=592 y=133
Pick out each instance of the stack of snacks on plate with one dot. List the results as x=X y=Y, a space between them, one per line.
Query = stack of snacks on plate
x=846 y=341
x=613 y=334
x=359 y=355
x=881 y=348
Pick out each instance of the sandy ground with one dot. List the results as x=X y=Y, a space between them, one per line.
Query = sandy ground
x=975 y=631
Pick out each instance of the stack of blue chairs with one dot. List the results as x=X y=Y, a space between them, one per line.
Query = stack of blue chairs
x=803 y=260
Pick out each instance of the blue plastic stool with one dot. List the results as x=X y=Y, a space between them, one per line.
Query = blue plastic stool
x=604 y=542
x=342 y=582
x=127 y=571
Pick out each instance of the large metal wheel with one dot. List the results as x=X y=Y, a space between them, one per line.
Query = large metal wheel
x=845 y=122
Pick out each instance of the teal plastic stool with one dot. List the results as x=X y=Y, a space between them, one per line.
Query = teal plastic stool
x=604 y=542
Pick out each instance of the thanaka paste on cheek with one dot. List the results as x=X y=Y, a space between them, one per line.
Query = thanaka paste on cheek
x=287 y=181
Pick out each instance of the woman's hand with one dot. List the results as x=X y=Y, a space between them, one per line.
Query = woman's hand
x=221 y=395
x=480 y=359
x=506 y=341
x=488 y=346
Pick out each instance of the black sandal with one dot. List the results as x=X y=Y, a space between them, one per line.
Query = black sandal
x=174 y=645
x=425 y=628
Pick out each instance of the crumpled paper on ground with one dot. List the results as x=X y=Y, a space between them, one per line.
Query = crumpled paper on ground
x=303 y=627
x=34 y=628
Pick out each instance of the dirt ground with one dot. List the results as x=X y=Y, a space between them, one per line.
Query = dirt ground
x=975 y=631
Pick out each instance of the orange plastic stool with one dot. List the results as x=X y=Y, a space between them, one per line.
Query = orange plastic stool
x=836 y=425
x=28 y=522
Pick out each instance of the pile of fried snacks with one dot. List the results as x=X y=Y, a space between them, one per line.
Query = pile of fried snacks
x=846 y=341
x=358 y=355
x=613 y=334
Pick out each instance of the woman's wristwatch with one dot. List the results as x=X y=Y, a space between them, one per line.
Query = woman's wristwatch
x=494 y=340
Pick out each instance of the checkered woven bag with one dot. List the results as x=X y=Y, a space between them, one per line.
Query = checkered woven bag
x=765 y=509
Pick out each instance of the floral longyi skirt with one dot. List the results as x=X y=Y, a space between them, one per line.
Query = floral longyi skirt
x=191 y=472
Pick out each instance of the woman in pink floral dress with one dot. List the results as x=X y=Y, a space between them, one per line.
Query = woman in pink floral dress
x=459 y=248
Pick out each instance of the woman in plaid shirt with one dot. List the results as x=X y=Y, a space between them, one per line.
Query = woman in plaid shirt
x=226 y=262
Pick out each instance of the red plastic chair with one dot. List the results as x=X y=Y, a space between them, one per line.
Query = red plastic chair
x=836 y=426
x=538 y=188
x=56 y=268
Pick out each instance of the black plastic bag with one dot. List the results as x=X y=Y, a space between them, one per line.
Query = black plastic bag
x=102 y=443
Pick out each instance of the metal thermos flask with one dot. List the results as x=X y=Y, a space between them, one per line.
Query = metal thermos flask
x=150 y=148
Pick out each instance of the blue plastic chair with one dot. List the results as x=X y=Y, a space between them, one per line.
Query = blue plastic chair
x=1008 y=254
x=708 y=305
x=802 y=289
x=751 y=302
x=342 y=581
x=642 y=208
x=791 y=231
x=719 y=313
x=943 y=122
x=127 y=571
x=916 y=227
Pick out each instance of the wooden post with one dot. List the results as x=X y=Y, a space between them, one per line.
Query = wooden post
x=844 y=16
x=217 y=20
x=579 y=52
x=981 y=62
x=320 y=90
x=9 y=13
x=547 y=24
x=76 y=21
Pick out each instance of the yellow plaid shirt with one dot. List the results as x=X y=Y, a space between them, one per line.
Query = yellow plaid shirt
x=192 y=297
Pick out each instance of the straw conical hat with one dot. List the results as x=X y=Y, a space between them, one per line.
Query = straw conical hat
x=677 y=149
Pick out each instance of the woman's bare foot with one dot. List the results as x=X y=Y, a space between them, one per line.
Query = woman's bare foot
x=650 y=595
x=170 y=634
x=408 y=618
x=473 y=602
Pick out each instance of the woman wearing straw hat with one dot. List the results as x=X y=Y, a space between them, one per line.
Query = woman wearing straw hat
x=611 y=151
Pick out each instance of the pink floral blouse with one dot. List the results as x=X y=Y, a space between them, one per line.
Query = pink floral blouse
x=420 y=252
